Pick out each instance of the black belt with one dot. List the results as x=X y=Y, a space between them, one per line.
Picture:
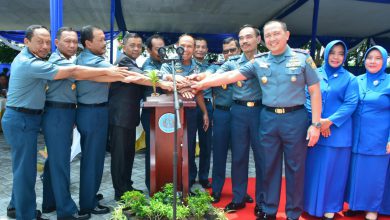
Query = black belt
x=221 y=107
x=60 y=105
x=283 y=110
x=93 y=105
x=207 y=99
x=248 y=103
x=27 y=110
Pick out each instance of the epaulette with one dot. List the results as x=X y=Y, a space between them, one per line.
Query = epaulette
x=218 y=63
x=234 y=57
x=306 y=52
x=260 y=54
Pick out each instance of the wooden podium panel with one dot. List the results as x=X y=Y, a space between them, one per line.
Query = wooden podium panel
x=162 y=143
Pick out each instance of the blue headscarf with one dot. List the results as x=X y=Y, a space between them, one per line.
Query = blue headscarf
x=328 y=69
x=371 y=77
x=384 y=58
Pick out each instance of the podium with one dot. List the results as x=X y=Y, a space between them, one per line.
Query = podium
x=162 y=143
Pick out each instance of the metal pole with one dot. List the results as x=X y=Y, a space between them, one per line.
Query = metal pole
x=314 y=28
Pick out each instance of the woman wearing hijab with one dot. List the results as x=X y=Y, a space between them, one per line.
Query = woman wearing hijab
x=370 y=150
x=327 y=162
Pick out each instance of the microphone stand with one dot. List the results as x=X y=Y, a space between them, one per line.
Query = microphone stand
x=177 y=124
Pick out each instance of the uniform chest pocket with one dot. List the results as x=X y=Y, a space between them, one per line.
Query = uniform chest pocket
x=295 y=74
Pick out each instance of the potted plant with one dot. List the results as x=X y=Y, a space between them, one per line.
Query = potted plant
x=153 y=75
x=134 y=205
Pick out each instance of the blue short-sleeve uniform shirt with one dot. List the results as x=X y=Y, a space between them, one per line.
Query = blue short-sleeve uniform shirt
x=89 y=92
x=283 y=78
x=28 y=80
x=63 y=90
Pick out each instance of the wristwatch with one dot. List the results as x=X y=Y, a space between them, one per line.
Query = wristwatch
x=316 y=124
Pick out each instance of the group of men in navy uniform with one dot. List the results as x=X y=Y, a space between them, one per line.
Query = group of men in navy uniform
x=256 y=102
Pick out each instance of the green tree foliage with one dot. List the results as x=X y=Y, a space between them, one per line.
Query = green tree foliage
x=7 y=54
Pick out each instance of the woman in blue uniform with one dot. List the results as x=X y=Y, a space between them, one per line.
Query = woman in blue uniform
x=327 y=162
x=370 y=158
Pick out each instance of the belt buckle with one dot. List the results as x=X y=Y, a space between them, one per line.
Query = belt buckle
x=279 y=110
x=250 y=104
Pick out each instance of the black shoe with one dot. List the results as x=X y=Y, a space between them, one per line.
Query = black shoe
x=48 y=210
x=205 y=184
x=258 y=210
x=11 y=213
x=248 y=199
x=233 y=207
x=216 y=197
x=266 y=216
x=118 y=198
x=39 y=215
x=77 y=216
x=352 y=213
x=99 y=196
x=100 y=209
x=134 y=189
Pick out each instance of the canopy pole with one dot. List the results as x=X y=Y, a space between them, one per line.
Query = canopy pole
x=112 y=19
x=314 y=28
x=56 y=15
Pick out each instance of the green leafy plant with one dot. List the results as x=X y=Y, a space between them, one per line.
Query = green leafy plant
x=134 y=200
x=200 y=204
x=159 y=207
x=117 y=214
x=153 y=75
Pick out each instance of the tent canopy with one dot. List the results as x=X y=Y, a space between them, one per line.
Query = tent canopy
x=349 y=20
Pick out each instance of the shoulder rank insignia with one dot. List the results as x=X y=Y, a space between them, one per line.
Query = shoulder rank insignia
x=260 y=54
x=234 y=57
x=310 y=61
x=300 y=50
x=219 y=63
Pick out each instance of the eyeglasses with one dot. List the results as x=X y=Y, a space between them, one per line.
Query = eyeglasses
x=232 y=50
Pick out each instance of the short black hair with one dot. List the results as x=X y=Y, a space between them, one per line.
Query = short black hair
x=200 y=38
x=86 y=33
x=130 y=35
x=230 y=39
x=255 y=29
x=30 y=30
x=283 y=24
x=149 y=40
x=62 y=29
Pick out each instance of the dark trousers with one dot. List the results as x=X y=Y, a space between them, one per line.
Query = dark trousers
x=283 y=136
x=58 y=130
x=205 y=142
x=190 y=115
x=21 y=133
x=221 y=142
x=92 y=123
x=122 y=157
x=145 y=120
x=245 y=134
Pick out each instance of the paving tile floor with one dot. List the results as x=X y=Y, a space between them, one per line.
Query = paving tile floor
x=106 y=189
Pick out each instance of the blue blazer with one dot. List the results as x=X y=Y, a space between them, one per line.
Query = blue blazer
x=339 y=100
x=372 y=117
